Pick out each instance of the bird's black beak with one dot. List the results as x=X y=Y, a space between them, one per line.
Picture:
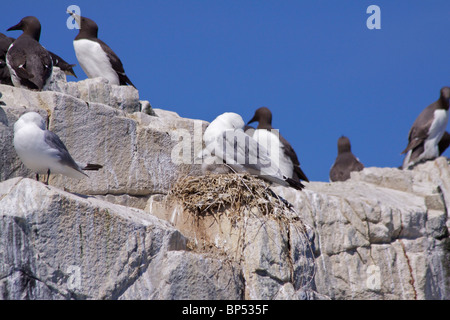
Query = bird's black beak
x=16 y=27
x=251 y=120
x=73 y=14
x=76 y=17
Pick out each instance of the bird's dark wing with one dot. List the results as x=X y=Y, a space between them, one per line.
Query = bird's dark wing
x=5 y=76
x=419 y=130
x=42 y=66
x=444 y=143
x=290 y=152
x=5 y=42
x=116 y=64
x=17 y=60
x=62 y=64
x=344 y=164
x=34 y=69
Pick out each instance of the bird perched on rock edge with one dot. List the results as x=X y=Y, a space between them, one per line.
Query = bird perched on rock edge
x=345 y=162
x=43 y=152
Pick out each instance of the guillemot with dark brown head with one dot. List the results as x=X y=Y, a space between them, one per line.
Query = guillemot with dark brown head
x=95 y=57
x=29 y=63
x=5 y=76
x=427 y=131
x=273 y=141
x=345 y=162
x=229 y=149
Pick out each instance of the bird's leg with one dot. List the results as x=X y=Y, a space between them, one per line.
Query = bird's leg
x=48 y=177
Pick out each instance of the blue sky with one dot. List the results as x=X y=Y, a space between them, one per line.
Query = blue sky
x=314 y=63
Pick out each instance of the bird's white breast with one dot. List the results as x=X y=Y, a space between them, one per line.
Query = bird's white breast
x=94 y=61
x=31 y=148
x=435 y=134
x=36 y=154
x=439 y=124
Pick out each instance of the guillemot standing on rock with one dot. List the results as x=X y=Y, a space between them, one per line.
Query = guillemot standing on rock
x=427 y=131
x=29 y=63
x=288 y=160
x=345 y=161
x=94 y=56
x=5 y=76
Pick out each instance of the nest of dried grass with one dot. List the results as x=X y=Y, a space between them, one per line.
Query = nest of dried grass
x=230 y=193
x=237 y=196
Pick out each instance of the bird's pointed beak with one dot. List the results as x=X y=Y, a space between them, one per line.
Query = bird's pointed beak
x=16 y=27
x=251 y=120
x=71 y=13
x=76 y=17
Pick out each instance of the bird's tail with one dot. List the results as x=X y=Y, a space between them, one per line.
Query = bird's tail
x=300 y=173
x=70 y=71
x=92 y=167
x=124 y=80
x=295 y=184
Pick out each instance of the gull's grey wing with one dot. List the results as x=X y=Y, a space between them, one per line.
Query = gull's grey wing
x=243 y=153
x=61 y=151
x=240 y=148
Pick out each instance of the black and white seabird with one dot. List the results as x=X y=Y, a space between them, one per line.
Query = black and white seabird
x=94 y=56
x=442 y=145
x=345 y=162
x=29 y=63
x=229 y=147
x=427 y=131
x=5 y=76
x=277 y=145
x=5 y=42
x=43 y=151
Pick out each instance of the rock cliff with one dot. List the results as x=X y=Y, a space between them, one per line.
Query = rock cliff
x=136 y=230
x=383 y=234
